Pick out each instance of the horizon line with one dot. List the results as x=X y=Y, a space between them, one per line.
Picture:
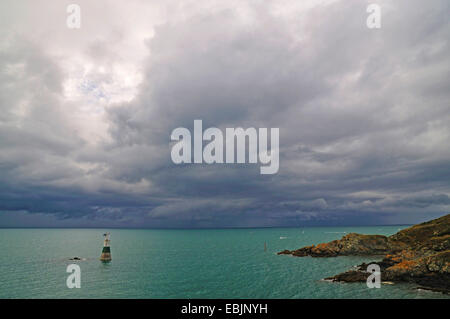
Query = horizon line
x=204 y=228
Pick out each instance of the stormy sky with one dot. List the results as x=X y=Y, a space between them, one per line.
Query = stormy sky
x=86 y=114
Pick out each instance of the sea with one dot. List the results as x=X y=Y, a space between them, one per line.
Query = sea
x=184 y=263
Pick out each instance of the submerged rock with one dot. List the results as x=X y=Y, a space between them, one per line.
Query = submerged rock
x=419 y=254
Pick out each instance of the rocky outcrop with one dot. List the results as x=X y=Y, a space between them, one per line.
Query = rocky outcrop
x=419 y=254
x=351 y=244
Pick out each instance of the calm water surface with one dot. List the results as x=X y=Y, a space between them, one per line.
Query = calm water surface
x=219 y=263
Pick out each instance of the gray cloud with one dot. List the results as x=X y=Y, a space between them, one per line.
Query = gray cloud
x=363 y=116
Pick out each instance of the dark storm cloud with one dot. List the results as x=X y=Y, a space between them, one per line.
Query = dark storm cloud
x=363 y=117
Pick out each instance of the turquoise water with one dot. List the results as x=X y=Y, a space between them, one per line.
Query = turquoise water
x=220 y=263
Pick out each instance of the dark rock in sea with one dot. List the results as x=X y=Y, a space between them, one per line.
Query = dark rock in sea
x=350 y=276
x=419 y=254
x=75 y=258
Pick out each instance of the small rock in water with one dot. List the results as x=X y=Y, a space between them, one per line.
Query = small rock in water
x=75 y=258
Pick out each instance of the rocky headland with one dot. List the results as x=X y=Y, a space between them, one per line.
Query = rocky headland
x=418 y=254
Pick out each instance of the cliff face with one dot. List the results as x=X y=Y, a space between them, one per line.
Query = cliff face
x=418 y=254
